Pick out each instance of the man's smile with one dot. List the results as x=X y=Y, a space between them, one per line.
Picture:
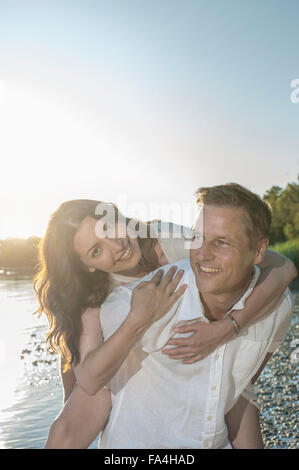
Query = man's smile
x=208 y=269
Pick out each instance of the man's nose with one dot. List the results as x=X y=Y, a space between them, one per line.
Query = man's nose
x=205 y=252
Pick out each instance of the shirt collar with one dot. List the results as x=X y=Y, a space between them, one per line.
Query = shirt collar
x=239 y=305
x=241 y=302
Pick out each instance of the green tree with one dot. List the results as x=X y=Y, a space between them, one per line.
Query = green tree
x=285 y=212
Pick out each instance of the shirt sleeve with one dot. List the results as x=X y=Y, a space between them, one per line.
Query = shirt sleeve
x=115 y=310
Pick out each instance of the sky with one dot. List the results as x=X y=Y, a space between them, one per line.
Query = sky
x=140 y=102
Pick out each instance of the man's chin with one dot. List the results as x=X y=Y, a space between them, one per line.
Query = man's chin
x=208 y=289
x=209 y=286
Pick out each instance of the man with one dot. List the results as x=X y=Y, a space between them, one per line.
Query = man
x=162 y=403
x=191 y=412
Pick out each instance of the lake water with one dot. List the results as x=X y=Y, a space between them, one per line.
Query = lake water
x=30 y=392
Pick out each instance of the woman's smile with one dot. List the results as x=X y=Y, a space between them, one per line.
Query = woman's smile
x=127 y=253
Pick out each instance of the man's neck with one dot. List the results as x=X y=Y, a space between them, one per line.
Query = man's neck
x=217 y=305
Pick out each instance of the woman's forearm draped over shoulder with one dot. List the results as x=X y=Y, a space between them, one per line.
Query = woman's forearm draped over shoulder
x=277 y=273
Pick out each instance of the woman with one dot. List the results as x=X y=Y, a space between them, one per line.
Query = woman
x=71 y=290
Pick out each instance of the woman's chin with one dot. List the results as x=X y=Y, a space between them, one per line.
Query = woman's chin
x=130 y=266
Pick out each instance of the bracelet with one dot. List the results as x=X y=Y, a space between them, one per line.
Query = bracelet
x=235 y=324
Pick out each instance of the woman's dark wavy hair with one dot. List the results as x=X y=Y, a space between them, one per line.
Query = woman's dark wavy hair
x=64 y=287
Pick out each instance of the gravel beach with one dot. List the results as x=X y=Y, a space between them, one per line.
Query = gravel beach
x=277 y=391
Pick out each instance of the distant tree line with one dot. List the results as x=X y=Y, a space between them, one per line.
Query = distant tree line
x=285 y=212
x=19 y=253
x=22 y=253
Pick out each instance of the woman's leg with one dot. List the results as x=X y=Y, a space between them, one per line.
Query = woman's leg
x=80 y=421
x=244 y=425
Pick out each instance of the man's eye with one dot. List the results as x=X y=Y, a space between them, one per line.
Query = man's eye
x=222 y=243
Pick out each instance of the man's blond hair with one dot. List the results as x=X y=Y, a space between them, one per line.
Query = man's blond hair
x=235 y=195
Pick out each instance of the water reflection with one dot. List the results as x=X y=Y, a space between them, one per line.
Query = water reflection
x=31 y=396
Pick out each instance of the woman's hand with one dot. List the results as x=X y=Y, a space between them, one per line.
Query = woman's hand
x=152 y=299
x=205 y=339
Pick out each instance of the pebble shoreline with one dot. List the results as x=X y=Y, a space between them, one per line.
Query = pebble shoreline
x=277 y=392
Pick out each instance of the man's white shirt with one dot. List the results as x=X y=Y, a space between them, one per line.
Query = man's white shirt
x=159 y=402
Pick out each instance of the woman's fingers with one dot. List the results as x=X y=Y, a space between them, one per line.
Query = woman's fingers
x=168 y=277
x=186 y=328
x=156 y=279
x=196 y=358
x=169 y=281
x=178 y=350
x=177 y=294
x=175 y=281
x=186 y=354
x=179 y=353
x=179 y=341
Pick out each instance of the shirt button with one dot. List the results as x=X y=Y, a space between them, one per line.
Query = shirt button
x=213 y=388
x=217 y=356
x=210 y=418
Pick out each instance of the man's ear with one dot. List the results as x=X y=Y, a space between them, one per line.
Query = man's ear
x=261 y=249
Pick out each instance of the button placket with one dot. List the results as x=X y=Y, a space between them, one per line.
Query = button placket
x=213 y=397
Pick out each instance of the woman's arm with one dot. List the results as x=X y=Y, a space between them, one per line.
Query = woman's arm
x=277 y=272
x=80 y=421
x=100 y=360
x=68 y=380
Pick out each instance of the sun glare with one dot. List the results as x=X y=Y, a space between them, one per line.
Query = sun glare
x=44 y=146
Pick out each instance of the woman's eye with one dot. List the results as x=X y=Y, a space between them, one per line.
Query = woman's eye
x=96 y=252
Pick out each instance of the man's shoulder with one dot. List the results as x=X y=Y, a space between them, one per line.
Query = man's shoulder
x=183 y=263
x=125 y=290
